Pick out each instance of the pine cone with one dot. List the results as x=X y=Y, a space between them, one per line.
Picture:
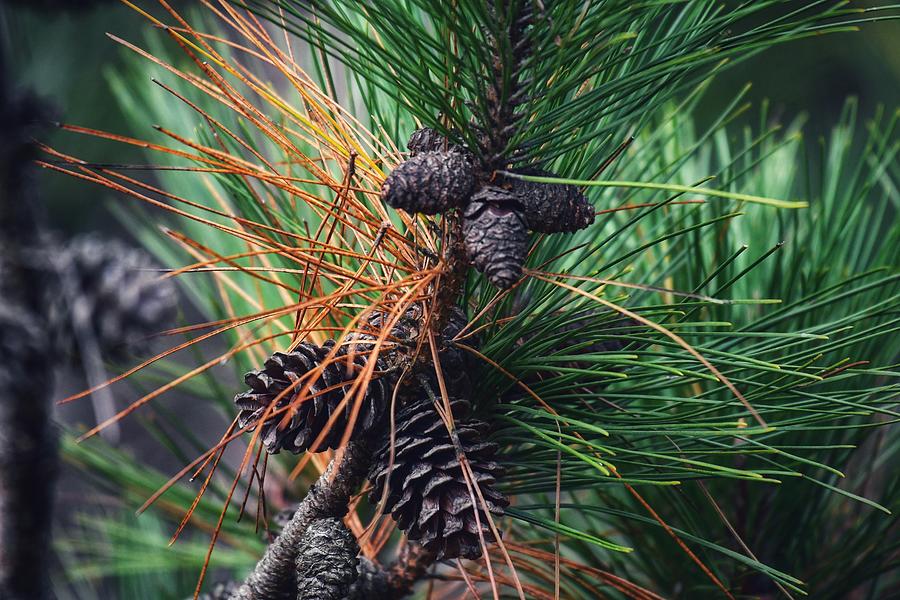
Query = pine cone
x=400 y=341
x=427 y=139
x=372 y=582
x=427 y=493
x=107 y=290
x=495 y=235
x=327 y=565
x=278 y=521
x=311 y=416
x=455 y=362
x=430 y=183
x=551 y=207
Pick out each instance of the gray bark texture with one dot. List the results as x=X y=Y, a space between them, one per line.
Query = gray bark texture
x=327 y=564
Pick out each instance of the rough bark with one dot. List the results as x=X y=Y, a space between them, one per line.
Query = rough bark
x=27 y=458
x=373 y=582
x=274 y=578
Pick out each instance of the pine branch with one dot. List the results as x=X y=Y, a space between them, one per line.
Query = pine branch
x=410 y=567
x=373 y=581
x=650 y=395
x=273 y=578
x=510 y=49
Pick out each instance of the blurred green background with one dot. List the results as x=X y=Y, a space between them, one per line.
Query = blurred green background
x=67 y=58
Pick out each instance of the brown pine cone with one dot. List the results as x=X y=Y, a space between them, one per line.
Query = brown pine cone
x=427 y=493
x=551 y=207
x=430 y=183
x=311 y=416
x=495 y=235
x=456 y=364
x=221 y=591
x=427 y=139
x=109 y=291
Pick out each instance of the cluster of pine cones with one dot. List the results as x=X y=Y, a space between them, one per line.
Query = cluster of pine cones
x=418 y=474
x=497 y=211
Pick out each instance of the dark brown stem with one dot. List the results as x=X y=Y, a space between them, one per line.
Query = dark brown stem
x=327 y=563
x=453 y=277
x=273 y=578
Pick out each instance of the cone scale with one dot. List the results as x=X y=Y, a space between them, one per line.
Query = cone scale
x=426 y=491
x=284 y=377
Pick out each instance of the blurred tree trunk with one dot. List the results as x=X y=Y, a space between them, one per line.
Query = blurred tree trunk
x=27 y=441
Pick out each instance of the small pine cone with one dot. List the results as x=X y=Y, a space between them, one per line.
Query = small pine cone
x=371 y=583
x=400 y=341
x=327 y=565
x=552 y=207
x=310 y=417
x=456 y=322
x=427 y=139
x=221 y=591
x=109 y=291
x=427 y=492
x=430 y=183
x=496 y=236
x=279 y=521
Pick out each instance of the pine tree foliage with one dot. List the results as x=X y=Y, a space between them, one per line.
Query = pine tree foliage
x=617 y=60
x=719 y=425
